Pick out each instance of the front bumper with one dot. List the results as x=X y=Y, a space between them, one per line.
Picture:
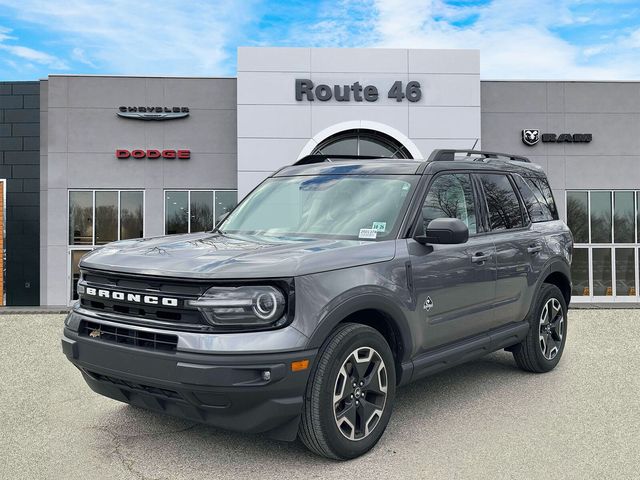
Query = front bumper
x=227 y=391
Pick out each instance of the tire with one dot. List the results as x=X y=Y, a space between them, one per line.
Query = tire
x=542 y=349
x=330 y=398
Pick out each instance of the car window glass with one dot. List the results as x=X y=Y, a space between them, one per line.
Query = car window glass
x=542 y=191
x=537 y=211
x=502 y=202
x=450 y=196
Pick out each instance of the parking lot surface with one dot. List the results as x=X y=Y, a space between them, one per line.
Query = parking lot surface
x=485 y=419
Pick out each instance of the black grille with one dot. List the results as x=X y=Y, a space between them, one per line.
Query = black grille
x=135 y=386
x=176 y=315
x=181 y=316
x=128 y=336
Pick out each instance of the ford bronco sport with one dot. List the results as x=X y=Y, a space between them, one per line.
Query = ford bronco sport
x=334 y=282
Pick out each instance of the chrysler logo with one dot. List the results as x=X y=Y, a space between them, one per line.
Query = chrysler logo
x=131 y=297
x=153 y=113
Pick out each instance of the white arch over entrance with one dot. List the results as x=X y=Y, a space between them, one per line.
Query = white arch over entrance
x=364 y=124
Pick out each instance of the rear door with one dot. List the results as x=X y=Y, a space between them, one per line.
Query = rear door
x=454 y=284
x=520 y=248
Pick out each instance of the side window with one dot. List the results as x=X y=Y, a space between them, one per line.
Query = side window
x=502 y=202
x=537 y=212
x=542 y=191
x=450 y=196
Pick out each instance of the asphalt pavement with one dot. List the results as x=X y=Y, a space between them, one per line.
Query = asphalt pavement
x=485 y=419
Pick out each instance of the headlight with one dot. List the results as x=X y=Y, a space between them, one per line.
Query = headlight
x=249 y=306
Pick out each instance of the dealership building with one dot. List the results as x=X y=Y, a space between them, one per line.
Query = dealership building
x=86 y=160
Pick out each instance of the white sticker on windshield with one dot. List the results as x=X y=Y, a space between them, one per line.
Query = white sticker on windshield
x=379 y=226
x=368 y=233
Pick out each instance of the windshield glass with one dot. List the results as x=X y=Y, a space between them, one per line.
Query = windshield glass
x=324 y=206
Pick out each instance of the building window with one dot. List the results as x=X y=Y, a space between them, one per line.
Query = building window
x=606 y=231
x=97 y=217
x=362 y=142
x=187 y=211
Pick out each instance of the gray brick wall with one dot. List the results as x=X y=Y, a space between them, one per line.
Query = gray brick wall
x=19 y=165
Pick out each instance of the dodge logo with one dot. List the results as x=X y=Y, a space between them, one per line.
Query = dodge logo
x=530 y=136
x=132 y=297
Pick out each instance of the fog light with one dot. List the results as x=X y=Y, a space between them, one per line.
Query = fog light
x=266 y=375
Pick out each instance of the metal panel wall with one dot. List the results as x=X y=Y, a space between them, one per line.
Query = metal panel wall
x=274 y=128
x=19 y=159
x=83 y=133
x=608 y=110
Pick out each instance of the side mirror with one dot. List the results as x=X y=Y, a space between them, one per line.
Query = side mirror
x=445 y=231
x=221 y=218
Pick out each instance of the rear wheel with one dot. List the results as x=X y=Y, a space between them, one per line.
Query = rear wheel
x=541 y=350
x=350 y=393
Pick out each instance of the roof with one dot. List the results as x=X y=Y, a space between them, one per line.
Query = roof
x=439 y=160
x=354 y=166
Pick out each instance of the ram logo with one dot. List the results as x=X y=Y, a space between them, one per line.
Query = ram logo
x=530 y=136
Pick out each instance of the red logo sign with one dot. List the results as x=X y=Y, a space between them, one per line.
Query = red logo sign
x=153 y=154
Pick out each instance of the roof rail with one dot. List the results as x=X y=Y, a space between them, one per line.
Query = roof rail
x=446 y=155
x=309 y=159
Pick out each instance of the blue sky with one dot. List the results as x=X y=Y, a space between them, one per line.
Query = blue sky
x=518 y=39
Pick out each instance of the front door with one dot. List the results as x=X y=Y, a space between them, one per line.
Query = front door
x=519 y=248
x=454 y=284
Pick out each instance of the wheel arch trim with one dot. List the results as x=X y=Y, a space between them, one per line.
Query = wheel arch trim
x=391 y=311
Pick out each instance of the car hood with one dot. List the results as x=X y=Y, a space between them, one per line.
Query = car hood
x=212 y=255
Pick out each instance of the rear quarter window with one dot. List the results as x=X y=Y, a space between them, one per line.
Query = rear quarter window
x=538 y=212
x=541 y=189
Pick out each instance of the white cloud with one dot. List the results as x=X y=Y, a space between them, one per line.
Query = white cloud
x=518 y=39
x=35 y=56
x=80 y=55
x=27 y=54
x=142 y=37
x=515 y=38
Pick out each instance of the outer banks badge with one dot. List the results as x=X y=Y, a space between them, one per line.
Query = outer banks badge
x=428 y=304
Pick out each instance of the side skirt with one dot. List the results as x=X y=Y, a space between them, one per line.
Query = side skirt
x=470 y=348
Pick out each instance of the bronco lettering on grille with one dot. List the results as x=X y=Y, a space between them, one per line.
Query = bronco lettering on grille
x=132 y=297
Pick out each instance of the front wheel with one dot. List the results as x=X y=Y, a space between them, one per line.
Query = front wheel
x=350 y=393
x=541 y=350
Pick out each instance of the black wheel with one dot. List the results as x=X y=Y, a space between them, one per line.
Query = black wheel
x=350 y=393
x=541 y=350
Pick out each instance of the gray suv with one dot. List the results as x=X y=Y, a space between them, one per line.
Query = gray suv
x=334 y=282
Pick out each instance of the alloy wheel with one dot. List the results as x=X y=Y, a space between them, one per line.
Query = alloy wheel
x=360 y=393
x=551 y=328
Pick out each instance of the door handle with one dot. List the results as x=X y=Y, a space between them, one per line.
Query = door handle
x=534 y=248
x=480 y=257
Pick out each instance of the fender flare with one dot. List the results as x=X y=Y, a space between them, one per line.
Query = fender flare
x=370 y=301
x=555 y=266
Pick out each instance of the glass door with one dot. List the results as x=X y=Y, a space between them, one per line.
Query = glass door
x=605 y=228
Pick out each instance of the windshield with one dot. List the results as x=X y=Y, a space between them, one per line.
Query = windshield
x=325 y=206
